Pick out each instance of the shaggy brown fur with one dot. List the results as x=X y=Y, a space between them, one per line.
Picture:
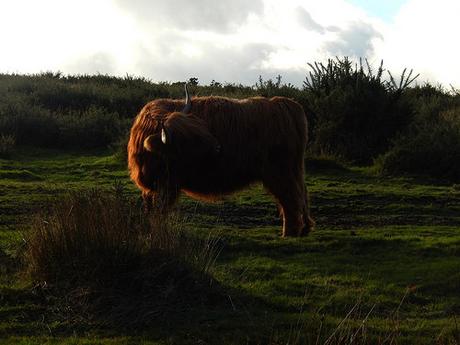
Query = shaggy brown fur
x=221 y=146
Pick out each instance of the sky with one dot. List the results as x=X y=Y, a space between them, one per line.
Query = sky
x=228 y=40
x=383 y=9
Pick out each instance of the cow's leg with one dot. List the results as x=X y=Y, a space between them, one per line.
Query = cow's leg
x=291 y=200
x=288 y=187
x=299 y=177
x=147 y=197
x=293 y=221
x=309 y=223
x=159 y=202
x=165 y=199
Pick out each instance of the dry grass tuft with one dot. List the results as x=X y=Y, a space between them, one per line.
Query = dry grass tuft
x=96 y=256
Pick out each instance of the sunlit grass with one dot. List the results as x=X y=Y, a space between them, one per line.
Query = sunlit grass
x=383 y=262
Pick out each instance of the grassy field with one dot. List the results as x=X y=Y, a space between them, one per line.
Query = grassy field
x=383 y=265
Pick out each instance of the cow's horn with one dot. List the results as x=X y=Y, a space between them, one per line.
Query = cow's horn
x=164 y=139
x=188 y=101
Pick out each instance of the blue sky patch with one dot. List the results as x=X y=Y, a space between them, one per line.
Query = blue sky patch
x=383 y=9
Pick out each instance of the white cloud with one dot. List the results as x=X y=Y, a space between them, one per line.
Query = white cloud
x=424 y=37
x=238 y=63
x=233 y=40
x=357 y=40
x=52 y=35
x=101 y=62
x=206 y=15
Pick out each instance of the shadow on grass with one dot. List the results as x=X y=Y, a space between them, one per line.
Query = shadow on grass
x=199 y=312
x=93 y=263
x=199 y=309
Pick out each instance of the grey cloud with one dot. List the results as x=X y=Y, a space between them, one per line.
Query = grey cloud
x=306 y=20
x=166 y=63
x=211 y=15
x=293 y=76
x=355 y=40
x=99 y=62
x=333 y=28
x=221 y=64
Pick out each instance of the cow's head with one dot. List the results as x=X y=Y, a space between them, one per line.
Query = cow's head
x=162 y=138
x=182 y=137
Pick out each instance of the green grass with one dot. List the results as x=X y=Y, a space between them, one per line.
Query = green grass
x=385 y=257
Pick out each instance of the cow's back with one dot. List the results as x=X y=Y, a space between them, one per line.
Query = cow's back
x=254 y=134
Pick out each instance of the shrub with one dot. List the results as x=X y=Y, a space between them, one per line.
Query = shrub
x=120 y=149
x=53 y=110
x=357 y=112
x=7 y=144
x=124 y=96
x=272 y=88
x=93 y=128
x=30 y=125
x=99 y=253
x=431 y=146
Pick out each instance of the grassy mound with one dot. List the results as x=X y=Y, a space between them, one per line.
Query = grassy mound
x=431 y=148
x=95 y=255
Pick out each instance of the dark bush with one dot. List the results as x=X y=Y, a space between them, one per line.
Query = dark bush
x=34 y=125
x=30 y=125
x=54 y=110
x=7 y=145
x=432 y=144
x=120 y=148
x=357 y=112
x=271 y=88
x=93 y=128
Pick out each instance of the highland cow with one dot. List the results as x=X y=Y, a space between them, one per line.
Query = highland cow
x=208 y=147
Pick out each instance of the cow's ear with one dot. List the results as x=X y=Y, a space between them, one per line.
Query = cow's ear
x=156 y=142
x=148 y=143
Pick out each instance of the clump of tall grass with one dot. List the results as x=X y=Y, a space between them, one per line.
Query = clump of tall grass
x=98 y=255
x=7 y=144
